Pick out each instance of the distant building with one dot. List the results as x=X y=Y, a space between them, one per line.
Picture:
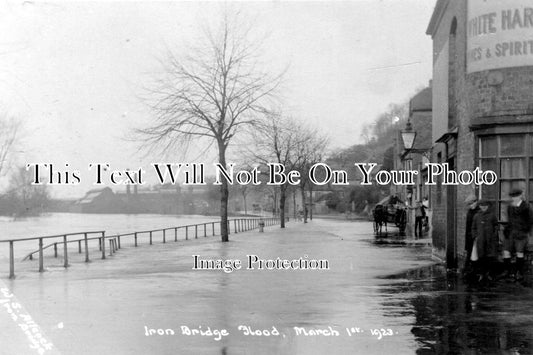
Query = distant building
x=98 y=201
x=420 y=116
x=415 y=159
x=160 y=199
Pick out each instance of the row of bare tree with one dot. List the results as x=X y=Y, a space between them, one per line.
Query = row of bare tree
x=9 y=133
x=293 y=145
x=20 y=197
x=217 y=91
x=213 y=92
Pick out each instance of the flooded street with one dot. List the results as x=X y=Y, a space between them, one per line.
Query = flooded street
x=376 y=298
x=453 y=318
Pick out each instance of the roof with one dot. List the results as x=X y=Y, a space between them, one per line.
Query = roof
x=89 y=197
x=92 y=194
x=98 y=190
x=439 y=10
x=421 y=101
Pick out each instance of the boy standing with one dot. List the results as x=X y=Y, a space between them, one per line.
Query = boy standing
x=520 y=220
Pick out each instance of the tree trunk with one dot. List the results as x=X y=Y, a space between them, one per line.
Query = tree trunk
x=245 y=209
x=311 y=202
x=282 y=197
x=294 y=207
x=224 y=194
x=304 y=207
x=274 y=203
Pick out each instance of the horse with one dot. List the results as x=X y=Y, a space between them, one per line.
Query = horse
x=379 y=214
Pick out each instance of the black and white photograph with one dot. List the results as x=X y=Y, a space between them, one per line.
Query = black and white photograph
x=266 y=177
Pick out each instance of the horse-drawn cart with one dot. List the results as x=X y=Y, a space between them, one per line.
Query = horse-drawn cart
x=390 y=210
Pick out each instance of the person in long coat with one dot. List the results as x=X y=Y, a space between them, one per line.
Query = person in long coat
x=485 y=233
x=473 y=209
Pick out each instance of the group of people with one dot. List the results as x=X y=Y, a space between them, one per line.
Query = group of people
x=421 y=216
x=482 y=238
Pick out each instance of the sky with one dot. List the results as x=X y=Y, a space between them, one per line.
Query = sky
x=75 y=72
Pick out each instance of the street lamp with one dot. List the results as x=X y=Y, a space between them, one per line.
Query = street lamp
x=408 y=136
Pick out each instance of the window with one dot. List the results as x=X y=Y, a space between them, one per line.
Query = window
x=509 y=156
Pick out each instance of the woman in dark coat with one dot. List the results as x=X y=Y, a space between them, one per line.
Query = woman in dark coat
x=485 y=234
x=473 y=209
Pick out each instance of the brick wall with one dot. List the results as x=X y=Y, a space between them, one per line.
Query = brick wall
x=438 y=207
x=464 y=155
x=510 y=94
x=502 y=96
x=465 y=138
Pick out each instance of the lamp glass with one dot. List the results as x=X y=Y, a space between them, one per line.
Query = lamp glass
x=408 y=137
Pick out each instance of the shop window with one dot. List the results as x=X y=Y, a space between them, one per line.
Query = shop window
x=512 y=168
x=512 y=144
x=508 y=156
x=489 y=147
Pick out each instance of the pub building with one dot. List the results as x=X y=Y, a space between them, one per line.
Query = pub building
x=482 y=116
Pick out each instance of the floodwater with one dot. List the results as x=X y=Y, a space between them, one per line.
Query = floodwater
x=451 y=317
x=376 y=298
x=60 y=223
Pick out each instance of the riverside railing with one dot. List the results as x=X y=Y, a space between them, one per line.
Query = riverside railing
x=186 y=232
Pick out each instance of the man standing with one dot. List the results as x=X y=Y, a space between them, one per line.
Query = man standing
x=520 y=220
x=425 y=203
x=485 y=234
x=420 y=216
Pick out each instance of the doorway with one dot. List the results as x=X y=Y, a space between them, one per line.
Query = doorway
x=451 y=220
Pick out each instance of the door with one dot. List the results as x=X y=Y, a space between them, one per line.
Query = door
x=451 y=221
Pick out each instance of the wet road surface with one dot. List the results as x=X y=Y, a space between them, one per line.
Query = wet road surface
x=376 y=298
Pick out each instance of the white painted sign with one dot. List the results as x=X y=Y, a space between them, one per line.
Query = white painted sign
x=499 y=34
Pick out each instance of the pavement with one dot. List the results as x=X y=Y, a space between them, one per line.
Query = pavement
x=375 y=298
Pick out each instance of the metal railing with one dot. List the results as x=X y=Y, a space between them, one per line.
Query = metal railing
x=115 y=241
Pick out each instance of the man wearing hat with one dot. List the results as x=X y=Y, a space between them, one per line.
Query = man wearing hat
x=520 y=220
x=473 y=208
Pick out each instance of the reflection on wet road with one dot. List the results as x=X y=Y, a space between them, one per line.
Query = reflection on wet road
x=451 y=317
x=376 y=298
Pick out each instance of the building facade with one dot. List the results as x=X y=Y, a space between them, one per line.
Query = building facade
x=482 y=108
x=420 y=118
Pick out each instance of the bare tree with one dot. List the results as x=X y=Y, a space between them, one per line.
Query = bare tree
x=366 y=133
x=23 y=198
x=9 y=133
x=278 y=142
x=213 y=92
x=245 y=190
x=311 y=150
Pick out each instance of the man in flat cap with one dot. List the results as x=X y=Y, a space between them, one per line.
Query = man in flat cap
x=520 y=220
x=473 y=208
